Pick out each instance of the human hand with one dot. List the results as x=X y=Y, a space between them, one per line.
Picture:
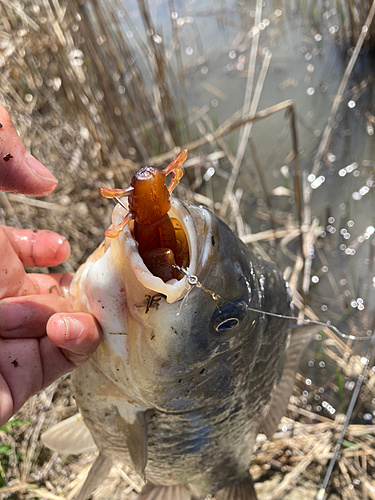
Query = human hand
x=40 y=336
x=19 y=171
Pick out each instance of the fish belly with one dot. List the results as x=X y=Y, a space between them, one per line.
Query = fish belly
x=208 y=447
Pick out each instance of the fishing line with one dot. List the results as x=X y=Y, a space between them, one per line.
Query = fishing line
x=119 y=202
x=184 y=300
x=194 y=282
x=313 y=322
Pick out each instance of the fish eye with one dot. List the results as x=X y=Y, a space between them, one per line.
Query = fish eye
x=227 y=324
x=229 y=317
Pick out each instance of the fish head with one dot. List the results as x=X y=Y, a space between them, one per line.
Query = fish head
x=176 y=345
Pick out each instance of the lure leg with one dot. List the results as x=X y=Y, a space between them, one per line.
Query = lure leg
x=111 y=193
x=114 y=231
x=176 y=170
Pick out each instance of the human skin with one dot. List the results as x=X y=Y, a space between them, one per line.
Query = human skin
x=41 y=338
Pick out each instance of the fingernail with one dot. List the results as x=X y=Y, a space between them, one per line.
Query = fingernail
x=40 y=169
x=12 y=316
x=73 y=328
x=63 y=251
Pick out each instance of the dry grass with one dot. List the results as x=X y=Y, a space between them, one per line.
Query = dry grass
x=80 y=100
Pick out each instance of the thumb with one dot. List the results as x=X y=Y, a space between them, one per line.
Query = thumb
x=19 y=171
x=77 y=334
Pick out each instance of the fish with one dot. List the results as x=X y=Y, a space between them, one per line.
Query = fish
x=192 y=365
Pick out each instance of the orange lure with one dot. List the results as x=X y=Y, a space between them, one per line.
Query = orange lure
x=161 y=240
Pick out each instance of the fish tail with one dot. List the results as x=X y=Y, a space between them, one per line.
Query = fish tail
x=241 y=490
x=159 y=492
x=97 y=475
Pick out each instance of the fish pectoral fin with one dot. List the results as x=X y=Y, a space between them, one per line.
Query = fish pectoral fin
x=158 y=492
x=136 y=439
x=241 y=490
x=301 y=337
x=97 y=475
x=69 y=437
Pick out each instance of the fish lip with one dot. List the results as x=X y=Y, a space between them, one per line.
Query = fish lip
x=174 y=290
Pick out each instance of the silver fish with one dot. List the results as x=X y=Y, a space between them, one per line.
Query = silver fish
x=182 y=382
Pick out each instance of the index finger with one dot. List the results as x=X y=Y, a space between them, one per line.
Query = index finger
x=13 y=279
x=38 y=248
x=19 y=171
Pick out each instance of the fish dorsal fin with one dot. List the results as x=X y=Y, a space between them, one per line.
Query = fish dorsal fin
x=241 y=490
x=301 y=337
x=158 y=492
x=69 y=437
x=135 y=430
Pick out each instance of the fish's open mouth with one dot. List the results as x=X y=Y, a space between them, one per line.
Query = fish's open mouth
x=174 y=289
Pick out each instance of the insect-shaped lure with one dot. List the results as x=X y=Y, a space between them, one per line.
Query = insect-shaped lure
x=161 y=240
